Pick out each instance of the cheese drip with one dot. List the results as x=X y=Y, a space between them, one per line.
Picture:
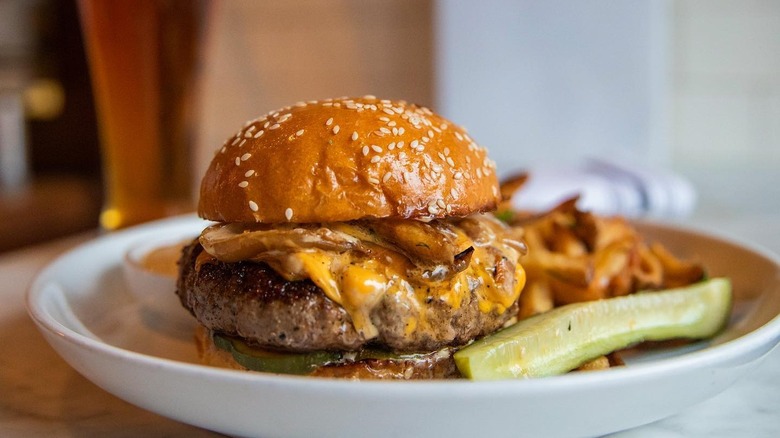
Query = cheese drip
x=359 y=281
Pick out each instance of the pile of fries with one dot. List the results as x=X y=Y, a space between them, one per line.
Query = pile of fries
x=578 y=256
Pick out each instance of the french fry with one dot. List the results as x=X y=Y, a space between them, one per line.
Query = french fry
x=599 y=363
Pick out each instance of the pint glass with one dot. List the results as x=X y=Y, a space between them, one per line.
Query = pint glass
x=143 y=57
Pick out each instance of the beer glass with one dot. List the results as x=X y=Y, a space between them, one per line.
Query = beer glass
x=143 y=57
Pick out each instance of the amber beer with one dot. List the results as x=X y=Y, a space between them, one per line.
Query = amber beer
x=143 y=57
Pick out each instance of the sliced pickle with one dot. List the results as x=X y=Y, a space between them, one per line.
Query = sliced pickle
x=258 y=359
x=271 y=361
x=564 y=338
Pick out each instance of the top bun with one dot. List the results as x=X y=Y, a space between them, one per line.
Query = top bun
x=344 y=159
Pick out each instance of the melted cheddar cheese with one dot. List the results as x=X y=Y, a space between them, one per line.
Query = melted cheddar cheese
x=358 y=282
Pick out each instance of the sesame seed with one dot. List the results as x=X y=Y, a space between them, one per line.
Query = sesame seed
x=440 y=203
x=441 y=156
x=395 y=131
x=387 y=176
x=450 y=161
x=259 y=134
x=458 y=175
x=375 y=159
x=430 y=133
x=398 y=110
x=401 y=130
x=274 y=126
x=237 y=139
x=443 y=126
x=288 y=213
x=402 y=155
x=248 y=134
x=354 y=135
x=369 y=96
x=299 y=133
x=453 y=192
x=391 y=123
x=373 y=180
x=242 y=143
x=327 y=104
x=243 y=184
x=414 y=144
x=249 y=173
x=384 y=119
x=458 y=136
x=329 y=121
x=336 y=129
x=426 y=139
x=385 y=130
x=387 y=111
x=365 y=150
x=245 y=156
x=479 y=172
x=391 y=146
x=253 y=206
x=300 y=104
x=400 y=144
x=376 y=148
x=238 y=161
x=433 y=209
x=446 y=151
x=284 y=118
x=379 y=133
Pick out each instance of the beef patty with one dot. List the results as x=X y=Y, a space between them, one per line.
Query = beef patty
x=250 y=300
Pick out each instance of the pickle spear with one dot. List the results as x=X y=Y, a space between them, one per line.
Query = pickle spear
x=560 y=340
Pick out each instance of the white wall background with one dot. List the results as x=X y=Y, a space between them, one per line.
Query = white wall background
x=551 y=82
x=687 y=85
x=725 y=102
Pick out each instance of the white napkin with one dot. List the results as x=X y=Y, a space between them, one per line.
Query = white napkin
x=609 y=188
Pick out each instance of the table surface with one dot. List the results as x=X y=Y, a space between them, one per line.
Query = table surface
x=41 y=395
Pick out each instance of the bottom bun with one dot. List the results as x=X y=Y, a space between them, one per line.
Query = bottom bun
x=437 y=365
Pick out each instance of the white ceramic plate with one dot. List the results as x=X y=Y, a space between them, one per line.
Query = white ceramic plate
x=83 y=309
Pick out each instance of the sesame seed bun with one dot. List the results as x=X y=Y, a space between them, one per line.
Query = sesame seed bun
x=346 y=159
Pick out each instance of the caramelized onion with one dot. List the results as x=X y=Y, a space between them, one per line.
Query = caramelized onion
x=235 y=242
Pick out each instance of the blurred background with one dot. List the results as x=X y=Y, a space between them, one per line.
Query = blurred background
x=688 y=87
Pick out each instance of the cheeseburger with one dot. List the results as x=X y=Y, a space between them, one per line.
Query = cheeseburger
x=350 y=239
